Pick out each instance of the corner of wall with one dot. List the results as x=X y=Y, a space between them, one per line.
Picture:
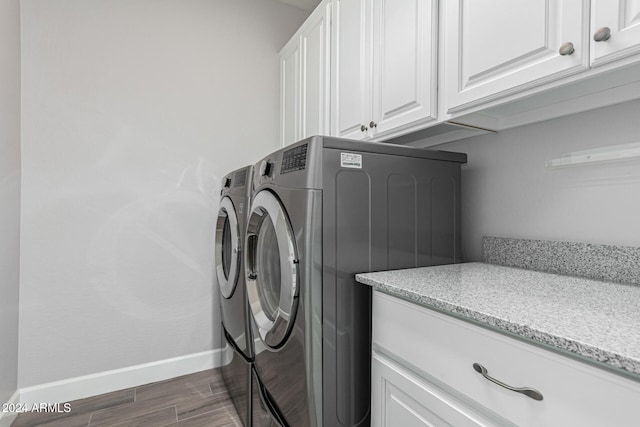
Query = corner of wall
x=10 y=187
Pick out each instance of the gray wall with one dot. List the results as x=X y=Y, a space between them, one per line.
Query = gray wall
x=9 y=194
x=132 y=112
x=508 y=192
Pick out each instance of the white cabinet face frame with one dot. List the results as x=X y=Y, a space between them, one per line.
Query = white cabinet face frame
x=405 y=37
x=351 y=81
x=622 y=17
x=494 y=48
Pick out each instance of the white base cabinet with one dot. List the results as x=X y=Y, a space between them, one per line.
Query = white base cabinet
x=423 y=375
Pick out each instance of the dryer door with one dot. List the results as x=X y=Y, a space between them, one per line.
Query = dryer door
x=227 y=248
x=271 y=269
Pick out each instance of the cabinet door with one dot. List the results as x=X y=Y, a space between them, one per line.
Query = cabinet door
x=404 y=62
x=495 y=48
x=352 y=82
x=400 y=397
x=622 y=18
x=290 y=92
x=315 y=39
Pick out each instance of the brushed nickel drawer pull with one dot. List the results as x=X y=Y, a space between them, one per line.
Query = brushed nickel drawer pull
x=527 y=391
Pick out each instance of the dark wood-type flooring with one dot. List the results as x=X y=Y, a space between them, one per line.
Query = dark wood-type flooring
x=195 y=400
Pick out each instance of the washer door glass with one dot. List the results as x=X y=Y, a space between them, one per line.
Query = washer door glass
x=272 y=269
x=227 y=248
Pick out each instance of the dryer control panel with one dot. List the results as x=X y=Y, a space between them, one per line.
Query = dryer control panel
x=294 y=159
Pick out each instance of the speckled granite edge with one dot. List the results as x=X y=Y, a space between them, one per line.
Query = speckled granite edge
x=580 y=349
x=619 y=264
x=606 y=357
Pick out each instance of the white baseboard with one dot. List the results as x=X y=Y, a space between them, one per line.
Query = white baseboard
x=118 y=379
x=6 y=418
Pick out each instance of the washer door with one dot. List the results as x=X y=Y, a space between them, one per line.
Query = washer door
x=227 y=248
x=271 y=269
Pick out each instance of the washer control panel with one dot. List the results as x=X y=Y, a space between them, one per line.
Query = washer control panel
x=240 y=178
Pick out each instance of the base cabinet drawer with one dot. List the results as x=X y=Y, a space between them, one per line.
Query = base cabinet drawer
x=403 y=398
x=445 y=349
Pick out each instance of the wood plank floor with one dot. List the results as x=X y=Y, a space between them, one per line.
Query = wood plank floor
x=195 y=400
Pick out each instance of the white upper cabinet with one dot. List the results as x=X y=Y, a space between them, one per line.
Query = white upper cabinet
x=304 y=79
x=497 y=47
x=315 y=44
x=384 y=67
x=290 y=93
x=404 y=63
x=351 y=58
x=615 y=30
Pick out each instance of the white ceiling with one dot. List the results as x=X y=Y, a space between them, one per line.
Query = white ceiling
x=308 y=5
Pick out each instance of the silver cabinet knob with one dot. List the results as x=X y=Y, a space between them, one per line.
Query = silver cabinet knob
x=566 y=49
x=602 y=34
x=363 y=128
x=373 y=124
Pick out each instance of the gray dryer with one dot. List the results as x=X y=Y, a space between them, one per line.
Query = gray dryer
x=322 y=210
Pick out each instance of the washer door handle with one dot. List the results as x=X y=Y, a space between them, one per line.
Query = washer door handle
x=251 y=257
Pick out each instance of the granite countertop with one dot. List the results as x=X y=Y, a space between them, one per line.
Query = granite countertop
x=592 y=319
